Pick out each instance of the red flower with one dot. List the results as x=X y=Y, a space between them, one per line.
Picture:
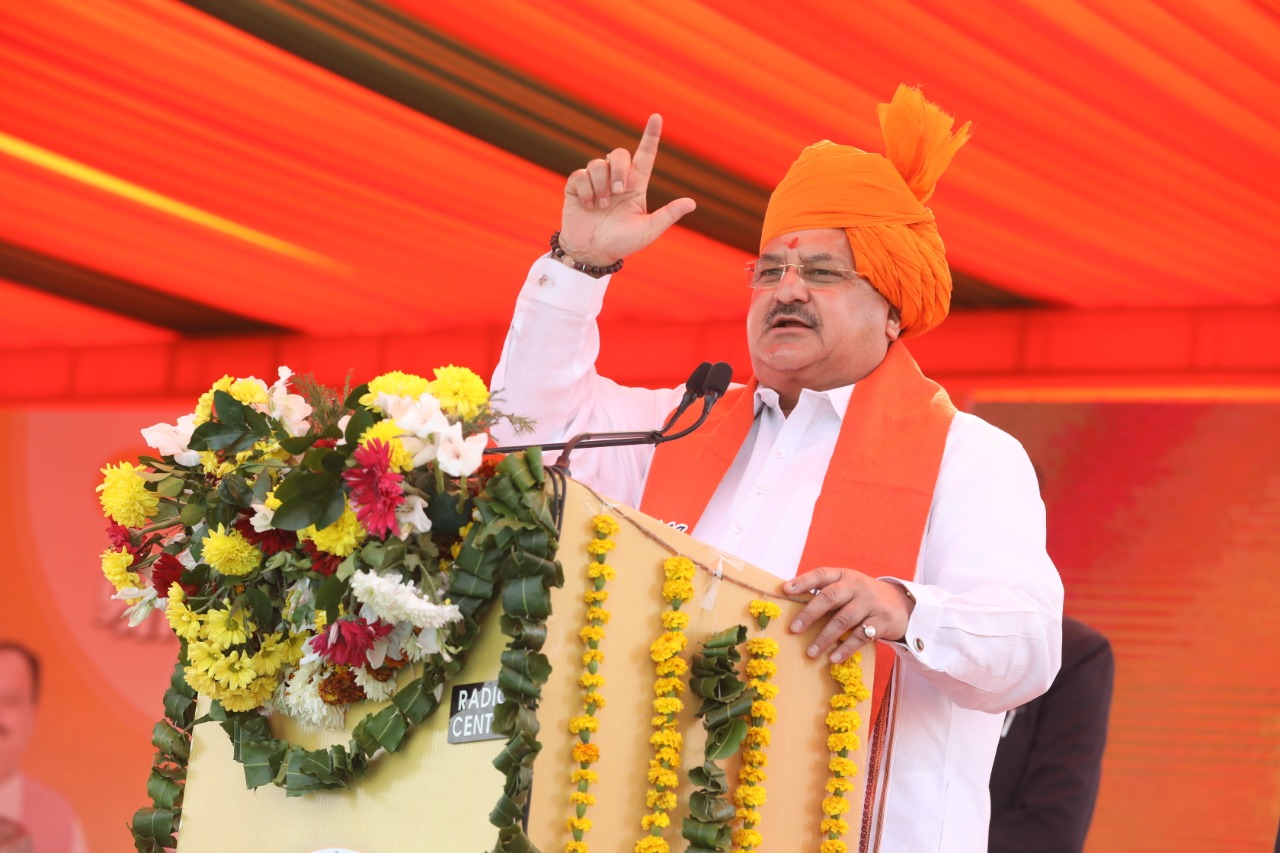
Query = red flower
x=165 y=572
x=118 y=536
x=375 y=488
x=322 y=562
x=326 y=442
x=271 y=542
x=348 y=640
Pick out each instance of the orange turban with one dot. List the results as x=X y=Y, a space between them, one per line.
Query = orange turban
x=879 y=202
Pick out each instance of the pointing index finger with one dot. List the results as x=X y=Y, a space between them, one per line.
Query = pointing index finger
x=647 y=150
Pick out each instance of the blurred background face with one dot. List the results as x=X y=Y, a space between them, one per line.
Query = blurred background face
x=17 y=710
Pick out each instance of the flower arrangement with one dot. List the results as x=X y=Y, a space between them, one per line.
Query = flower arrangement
x=311 y=551
x=666 y=740
x=842 y=724
x=599 y=573
x=750 y=793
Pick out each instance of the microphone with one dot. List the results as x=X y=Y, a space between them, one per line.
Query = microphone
x=718 y=379
x=693 y=389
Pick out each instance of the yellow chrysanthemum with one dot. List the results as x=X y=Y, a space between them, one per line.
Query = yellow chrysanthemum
x=229 y=553
x=204 y=406
x=460 y=391
x=605 y=525
x=390 y=432
x=224 y=629
x=240 y=699
x=115 y=567
x=396 y=384
x=273 y=654
x=125 y=499
x=199 y=680
x=234 y=671
x=184 y=621
x=339 y=538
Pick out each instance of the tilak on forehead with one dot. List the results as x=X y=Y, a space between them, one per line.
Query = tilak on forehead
x=879 y=202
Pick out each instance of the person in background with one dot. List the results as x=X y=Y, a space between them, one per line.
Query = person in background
x=1044 y=782
x=32 y=817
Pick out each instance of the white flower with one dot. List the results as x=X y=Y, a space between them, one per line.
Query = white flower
x=458 y=456
x=262 y=517
x=412 y=516
x=377 y=691
x=146 y=601
x=423 y=422
x=174 y=440
x=392 y=601
x=303 y=702
x=290 y=409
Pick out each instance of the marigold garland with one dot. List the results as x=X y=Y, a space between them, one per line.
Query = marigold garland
x=591 y=681
x=842 y=723
x=667 y=740
x=750 y=793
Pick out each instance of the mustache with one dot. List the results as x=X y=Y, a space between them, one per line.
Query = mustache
x=790 y=309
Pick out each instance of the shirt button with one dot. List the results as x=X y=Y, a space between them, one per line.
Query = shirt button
x=919 y=644
x=781 y=454
x=737 y=528
x=760 y=490
x=544 y=280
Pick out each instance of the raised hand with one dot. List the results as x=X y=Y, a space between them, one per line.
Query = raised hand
x=606 y=215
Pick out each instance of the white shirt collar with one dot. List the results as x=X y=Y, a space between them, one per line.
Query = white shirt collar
x=838 y=398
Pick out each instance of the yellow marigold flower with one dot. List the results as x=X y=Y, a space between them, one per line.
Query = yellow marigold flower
x=583 y=724
x=763 y=710
x=843 y=700
x=184 y=621
x=842 y=766
x=678 y=568
x=839 y=785
x=605 y=525
x=752 y=796
x=749 y=816
x=390 y=432
x=460 y=391
x=575 y=847
x=598 y=614
x=754 y=758
x=579 y=824
x=833 y=846
x=591 y=656
x=843 y=721
x=233 y=671
x=765 y=689
x=229 y=553
x=752 y=775
x=125 y=499
x=667 y=756
x=764 y=608
x=663 y=686
x=667 y=646
x=591 y=633
x=652 y=844
x=593 y=701
x=601 y=570
x=747 y=838
x=834 y=825
x=842 y=741
x=675 y=666
x=859 y=693
x=396 y=384
x=582 y=798
x=589 y=681
x=834 y=805
x=339 y=538
x=680 y=590
x=761 y=668
x=762 y=647
x=586 y=753
x=600 y=547
x=224 y=630
x=673 y=620
x=849 y=671
x=582 y=775
x=659 y=819
x=667 y=705
x=664 y=800
x=595 y=596
x=667 y=738
x=663 y=777
x=115 y=567
x=757 y=736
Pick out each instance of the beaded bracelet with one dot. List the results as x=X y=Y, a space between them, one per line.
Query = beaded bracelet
x=559 y=254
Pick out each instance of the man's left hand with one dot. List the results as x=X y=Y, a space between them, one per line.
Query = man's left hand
x=854 y=602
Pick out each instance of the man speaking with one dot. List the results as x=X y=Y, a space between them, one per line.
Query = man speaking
x=838 y=467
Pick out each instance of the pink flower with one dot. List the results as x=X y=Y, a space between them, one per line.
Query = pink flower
x=348 y=640
x=375 y=488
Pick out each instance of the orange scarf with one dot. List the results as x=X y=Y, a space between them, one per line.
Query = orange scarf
x=876 y=495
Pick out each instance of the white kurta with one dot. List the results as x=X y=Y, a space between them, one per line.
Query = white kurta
x=985 y=634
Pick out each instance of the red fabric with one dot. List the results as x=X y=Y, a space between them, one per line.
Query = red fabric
x=875 y=499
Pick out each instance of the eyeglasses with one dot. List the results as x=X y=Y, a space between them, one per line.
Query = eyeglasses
x=765 y=274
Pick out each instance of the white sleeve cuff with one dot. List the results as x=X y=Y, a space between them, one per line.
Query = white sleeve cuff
x=553 y=284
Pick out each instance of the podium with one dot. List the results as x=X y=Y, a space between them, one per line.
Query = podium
x=436 y=793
